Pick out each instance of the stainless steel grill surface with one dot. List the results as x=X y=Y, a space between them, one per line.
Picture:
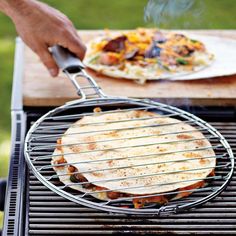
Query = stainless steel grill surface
x=51 y=214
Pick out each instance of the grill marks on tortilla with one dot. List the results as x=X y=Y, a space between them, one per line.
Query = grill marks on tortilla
x=184 y=136
x=75 y=177
x=121 y=153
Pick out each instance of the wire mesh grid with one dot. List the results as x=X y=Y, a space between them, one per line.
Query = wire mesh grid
x=42 y=139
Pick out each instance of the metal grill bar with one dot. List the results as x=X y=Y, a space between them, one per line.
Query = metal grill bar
x=66 y=117
x=120 y=167
x=148 y=144
x=42 y=127
x=45 y=157
x=157 y=195
x=93 y=103
x=118 y=139
x=39 y=137
x=158 y=135
x=155 y=185
x=145 y=175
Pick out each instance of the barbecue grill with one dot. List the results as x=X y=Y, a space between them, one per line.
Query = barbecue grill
x=33 y=209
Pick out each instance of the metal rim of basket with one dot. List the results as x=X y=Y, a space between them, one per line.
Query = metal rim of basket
x=114 y=209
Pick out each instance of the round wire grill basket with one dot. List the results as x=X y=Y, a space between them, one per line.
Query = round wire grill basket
x=41 y=142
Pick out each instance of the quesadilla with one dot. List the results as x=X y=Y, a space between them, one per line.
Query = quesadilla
x=146 y=54
x=137 y=154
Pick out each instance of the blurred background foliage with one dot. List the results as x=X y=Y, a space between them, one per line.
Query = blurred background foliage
x=99 y=14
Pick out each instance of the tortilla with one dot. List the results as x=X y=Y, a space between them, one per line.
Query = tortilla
x=156 y=162
x=146 y=54
x=64 y=176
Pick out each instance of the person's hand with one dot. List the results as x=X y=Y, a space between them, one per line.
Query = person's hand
x=41 y=26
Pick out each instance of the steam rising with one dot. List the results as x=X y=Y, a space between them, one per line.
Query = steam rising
x=165 y=11
x=175 y=14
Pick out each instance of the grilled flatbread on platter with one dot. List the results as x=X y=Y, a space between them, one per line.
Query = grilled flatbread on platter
x=146 y=54
x=133 y=153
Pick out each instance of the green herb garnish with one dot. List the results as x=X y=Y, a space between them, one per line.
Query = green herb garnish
x=194 y=41
x=181 y=61
x=166 y=67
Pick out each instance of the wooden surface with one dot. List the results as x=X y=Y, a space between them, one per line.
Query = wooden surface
x=39 y=89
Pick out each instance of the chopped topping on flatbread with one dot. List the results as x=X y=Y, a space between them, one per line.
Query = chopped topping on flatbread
x=146 y=54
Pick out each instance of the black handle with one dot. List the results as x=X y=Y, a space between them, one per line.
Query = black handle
x=66 y=60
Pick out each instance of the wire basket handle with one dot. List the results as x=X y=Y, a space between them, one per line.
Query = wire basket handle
x=73 y=68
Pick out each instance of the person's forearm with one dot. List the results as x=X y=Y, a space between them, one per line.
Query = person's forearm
x=41 y=26
x=8 y=6
x=12 y=8
x=4 y=6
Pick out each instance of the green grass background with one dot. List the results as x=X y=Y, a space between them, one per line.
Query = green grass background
x=98 y=14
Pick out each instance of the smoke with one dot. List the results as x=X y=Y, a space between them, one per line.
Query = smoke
x=176 y=14
x=173 y=13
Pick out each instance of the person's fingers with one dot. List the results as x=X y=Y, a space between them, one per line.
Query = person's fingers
x=75 y=45
x=48 y=61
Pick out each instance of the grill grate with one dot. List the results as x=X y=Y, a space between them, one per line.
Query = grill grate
x=50 y=214
x=39 y=155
